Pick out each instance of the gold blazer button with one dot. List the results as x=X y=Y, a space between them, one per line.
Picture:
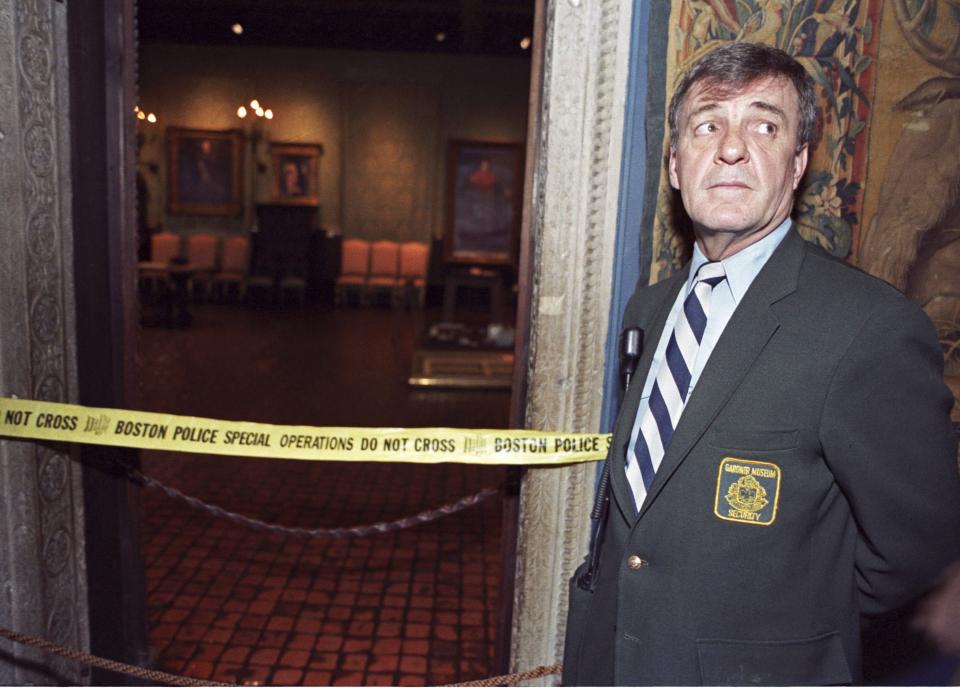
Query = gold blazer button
x=635 y=563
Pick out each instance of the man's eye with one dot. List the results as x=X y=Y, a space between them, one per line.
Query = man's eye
x=768 y=128
x=705 y=128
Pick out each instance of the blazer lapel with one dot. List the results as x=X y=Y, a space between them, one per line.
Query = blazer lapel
x=745 y=336
x=653 y=329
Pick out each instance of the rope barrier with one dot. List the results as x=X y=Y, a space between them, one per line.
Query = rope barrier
x=514 y=679
x=176 y=680
x=101 y=663
x=61 y=422
x=354 y=531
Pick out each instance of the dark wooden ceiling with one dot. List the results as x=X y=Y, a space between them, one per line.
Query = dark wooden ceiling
x=486 y=27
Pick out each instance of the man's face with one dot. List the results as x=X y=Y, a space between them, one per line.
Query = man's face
x=735 y=162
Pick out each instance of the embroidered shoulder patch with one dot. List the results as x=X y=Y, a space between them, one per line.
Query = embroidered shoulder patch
x=747 y=491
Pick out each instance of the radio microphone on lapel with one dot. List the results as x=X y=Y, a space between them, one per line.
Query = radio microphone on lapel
x=631 y=347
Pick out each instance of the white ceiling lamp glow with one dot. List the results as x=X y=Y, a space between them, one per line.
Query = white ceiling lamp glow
x=525 y=43
x=237 y=29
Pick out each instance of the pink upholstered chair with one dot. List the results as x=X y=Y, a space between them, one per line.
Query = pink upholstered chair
x=234 y=265
x=202 y=260
x=414 y=258
x=384 y=268
x=164 y=247
x=354 y=267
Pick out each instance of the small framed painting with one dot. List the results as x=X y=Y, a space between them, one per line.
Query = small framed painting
x=296 y=172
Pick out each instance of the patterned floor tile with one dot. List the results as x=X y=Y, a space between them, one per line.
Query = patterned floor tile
x=227 y=603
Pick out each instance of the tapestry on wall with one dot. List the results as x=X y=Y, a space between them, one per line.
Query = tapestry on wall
x=910 y=232
x=836 y=41
x=882 y=188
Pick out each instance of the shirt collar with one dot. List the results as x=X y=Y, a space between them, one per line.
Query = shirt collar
x=743 y=266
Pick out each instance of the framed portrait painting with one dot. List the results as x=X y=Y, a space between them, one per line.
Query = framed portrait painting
x=484 y=189
x=204 y=172
x=296 y=172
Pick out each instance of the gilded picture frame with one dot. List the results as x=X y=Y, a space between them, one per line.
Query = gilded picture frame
x=296 y=173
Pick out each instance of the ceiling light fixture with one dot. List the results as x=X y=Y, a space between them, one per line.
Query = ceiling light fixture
x=237 y=28
x=441 y=36
x=525 y=42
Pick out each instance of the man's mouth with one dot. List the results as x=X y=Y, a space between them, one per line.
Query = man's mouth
x=729 y=185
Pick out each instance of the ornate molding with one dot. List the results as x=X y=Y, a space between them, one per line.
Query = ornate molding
x=42 y=544
x=575 y=196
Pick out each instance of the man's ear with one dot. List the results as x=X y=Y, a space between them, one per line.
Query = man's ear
x=799 y=165
x=672 y=167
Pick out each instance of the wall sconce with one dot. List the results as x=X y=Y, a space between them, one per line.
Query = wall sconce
x=255 y=109
x=144 y=135
x=257 y=113
x=144 y=116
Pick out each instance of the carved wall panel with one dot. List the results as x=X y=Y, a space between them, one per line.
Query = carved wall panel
x=41 y=539
x=576 y=187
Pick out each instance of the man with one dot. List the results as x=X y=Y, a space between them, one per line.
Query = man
x=784 y=464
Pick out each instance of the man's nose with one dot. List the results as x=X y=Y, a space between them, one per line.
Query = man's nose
x=732 y=148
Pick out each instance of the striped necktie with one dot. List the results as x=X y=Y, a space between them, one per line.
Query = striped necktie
x=669 y=393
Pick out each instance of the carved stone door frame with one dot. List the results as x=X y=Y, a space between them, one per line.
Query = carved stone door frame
x=68 y=548
x=575 y=145
x=42 y=562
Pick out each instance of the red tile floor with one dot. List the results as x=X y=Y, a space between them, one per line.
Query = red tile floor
x=230 y=603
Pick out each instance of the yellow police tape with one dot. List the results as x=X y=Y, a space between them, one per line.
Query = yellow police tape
x=45 y=420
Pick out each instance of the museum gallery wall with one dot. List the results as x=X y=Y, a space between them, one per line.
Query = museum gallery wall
x=383 y=122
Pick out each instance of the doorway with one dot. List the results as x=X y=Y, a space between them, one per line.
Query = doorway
x=227 y=603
